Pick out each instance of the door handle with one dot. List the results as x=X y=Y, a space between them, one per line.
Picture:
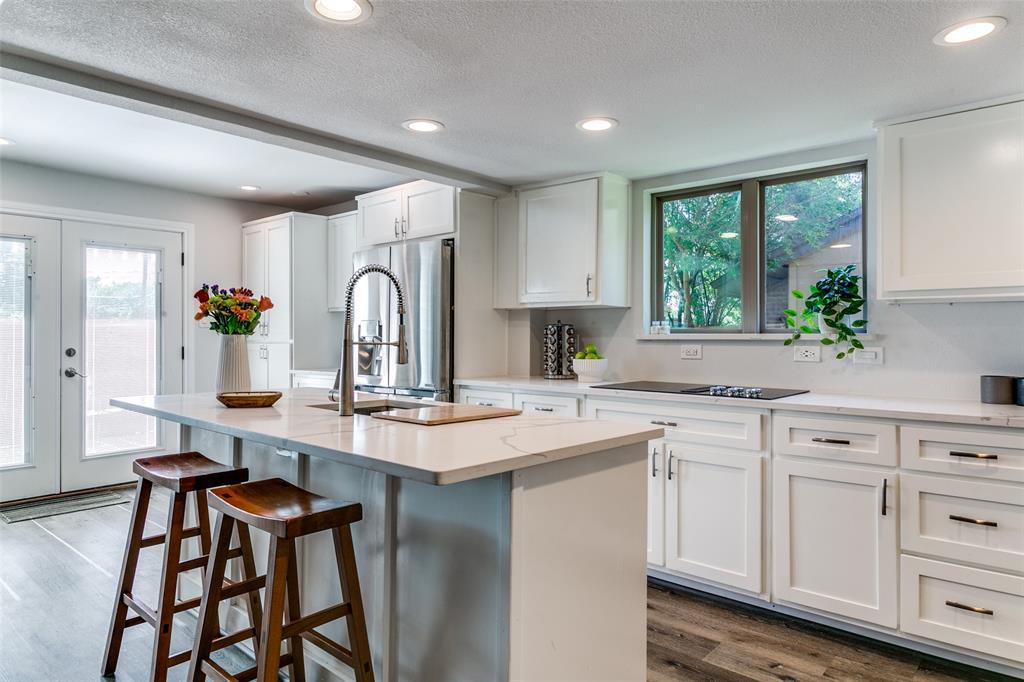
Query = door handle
x=589 y=277
x=831 y=441
x=544 y=409
x=972 y=455
x=885 y=490
x=670 y=458
x=483 y=404
x=71 y=372
x=405 y=230
x=979 y=522
x=396 y=228
x=972 y=609
x=654 y=463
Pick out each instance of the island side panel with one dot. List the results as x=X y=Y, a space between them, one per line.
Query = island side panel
x=578 y=604
x=450 y=600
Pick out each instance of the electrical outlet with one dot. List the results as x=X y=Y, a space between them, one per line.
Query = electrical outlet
x=807 y=354
x=691 y=351
x=869 y=355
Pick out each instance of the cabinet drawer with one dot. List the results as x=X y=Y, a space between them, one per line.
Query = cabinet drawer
x=485 y=398
x=967 y=607
x=987 y=453
x=849 y=440
x=981 y=523
x=706 y=426
x=551 y=405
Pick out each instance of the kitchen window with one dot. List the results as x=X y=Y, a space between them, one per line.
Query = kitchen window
x=727 y=257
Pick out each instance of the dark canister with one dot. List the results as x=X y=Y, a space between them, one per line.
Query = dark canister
x=997 y=390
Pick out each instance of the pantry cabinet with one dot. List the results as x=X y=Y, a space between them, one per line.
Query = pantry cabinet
x=834 y=539
x=417 y=209
x=342 y=244
x=951 y=219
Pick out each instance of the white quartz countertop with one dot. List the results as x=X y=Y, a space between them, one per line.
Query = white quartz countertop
x=920 y=409
x=439 y=455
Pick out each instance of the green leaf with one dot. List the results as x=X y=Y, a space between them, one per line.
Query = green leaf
x=796 y=336
x=840 y=356
x=796 y=293
x=790 y=312
x=787 y=342
x=860 y=323
x=856 y=344
x=827 y=342
x=806 y=330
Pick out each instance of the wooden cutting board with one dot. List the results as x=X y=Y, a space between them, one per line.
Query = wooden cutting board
x=445 y=414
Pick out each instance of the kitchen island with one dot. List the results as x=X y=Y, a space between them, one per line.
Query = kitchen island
x=500 y=549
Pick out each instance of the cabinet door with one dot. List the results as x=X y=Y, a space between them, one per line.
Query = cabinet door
x=279 y=281
x=547 y=405
x=834 y=539
x=656 y=503
x=428 y=209
x=254 y=264
x=485 y=398
x=952 y=224
x=558 y=243
x=258 y=366
x=713 y=514
x=279 y=365
x=380 y=218
x=342 y=242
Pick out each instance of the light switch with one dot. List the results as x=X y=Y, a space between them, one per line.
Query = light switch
x=869 y=355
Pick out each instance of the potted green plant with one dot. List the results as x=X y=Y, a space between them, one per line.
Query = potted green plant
x=829 y=303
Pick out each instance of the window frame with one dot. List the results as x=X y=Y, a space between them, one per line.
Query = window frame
x=753 y=275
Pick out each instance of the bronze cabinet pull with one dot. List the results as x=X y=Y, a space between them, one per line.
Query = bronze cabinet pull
x=831 y=441
x=980 y=522
x=670 y=458
x=654 y=463
x=659 y=422
x=973 y=455
x=885 y=490
x=544 y=409
x=972 y=609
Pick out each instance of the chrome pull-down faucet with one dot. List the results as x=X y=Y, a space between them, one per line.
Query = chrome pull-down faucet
x=346 y=389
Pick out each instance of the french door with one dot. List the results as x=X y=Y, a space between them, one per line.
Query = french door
x=95 y=313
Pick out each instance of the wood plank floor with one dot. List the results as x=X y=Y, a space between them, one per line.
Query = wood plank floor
x=57 y=578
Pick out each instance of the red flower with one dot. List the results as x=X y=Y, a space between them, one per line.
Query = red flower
x=202 y=295
x=264 y=304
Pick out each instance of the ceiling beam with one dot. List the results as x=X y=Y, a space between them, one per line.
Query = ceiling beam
x=105 y=88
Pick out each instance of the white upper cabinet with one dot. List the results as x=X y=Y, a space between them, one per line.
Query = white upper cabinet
x=952 y=206
x=342 y=243
x=571 y=245
x=417 y=209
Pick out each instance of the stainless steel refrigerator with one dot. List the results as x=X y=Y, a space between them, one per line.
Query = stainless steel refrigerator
x=426 y=271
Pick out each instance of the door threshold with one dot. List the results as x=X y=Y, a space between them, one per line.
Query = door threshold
x=58 y=496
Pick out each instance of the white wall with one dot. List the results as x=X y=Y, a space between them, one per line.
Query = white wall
x=931 y=350
x=217 y=257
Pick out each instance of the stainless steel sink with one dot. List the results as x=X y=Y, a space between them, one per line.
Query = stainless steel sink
x=372 y=406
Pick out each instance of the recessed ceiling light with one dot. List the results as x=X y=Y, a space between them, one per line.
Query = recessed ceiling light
x=840 y=246
x=596 y=124
x=786 y=217
x=422 y=125
x=250 y=188
x=340 y=11
x=966 y=31
x=729 y=235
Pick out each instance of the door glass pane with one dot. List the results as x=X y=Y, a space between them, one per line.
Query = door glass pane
x=701 y=248
x=14 y=335
x=810 y=225
x=122 y=346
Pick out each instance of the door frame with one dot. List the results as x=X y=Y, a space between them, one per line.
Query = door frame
x=187 y=230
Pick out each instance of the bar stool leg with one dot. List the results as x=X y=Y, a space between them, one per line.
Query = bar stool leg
x=350 y=592
x=298 y=673
x=125 y=584
x=208 y=626
x=203 y=521
x=268 y=662
x=168 y=588
x=249 y=573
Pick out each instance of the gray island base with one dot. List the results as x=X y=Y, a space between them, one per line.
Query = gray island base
x=502 y=549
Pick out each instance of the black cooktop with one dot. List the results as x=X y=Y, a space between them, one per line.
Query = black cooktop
x=704 y=389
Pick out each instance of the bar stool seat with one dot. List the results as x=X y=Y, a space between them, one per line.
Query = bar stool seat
x=286 y=512
x=181 y=474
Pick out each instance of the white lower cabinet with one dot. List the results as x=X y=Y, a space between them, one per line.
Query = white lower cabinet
x=967 y=607
x=270 y=365
x=485 y=398
x=712 y=514
x=547 y=405
x=656 y=503
x=834 y=539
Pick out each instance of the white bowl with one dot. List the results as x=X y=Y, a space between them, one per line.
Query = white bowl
x=590 y=371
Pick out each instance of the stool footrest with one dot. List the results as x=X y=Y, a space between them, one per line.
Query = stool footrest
x=330 y=646
x=236 y=589
x=145 y=613
x=307 y=623
x=221 y=675
x=151 y=540
x=200 y=561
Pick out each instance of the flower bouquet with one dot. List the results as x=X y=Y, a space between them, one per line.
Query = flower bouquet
x=235 y=314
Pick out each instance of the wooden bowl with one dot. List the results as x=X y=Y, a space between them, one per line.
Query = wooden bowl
x=249 y=398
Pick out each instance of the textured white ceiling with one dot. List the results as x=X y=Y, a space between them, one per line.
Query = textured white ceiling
x=61 y=131
x=693 y=83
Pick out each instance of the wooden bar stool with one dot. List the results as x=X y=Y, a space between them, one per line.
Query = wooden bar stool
x=184 y=473
x=286 y=512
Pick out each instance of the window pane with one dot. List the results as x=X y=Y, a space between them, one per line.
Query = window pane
x=810 y=225
x=701 y=248
x=13 y=351
x=122 y=347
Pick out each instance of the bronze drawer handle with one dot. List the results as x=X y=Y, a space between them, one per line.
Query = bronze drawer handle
x=972 y=609
x=973 y=455
x=659 y=422
x=544 y=409
x=979 y=522
x=831 y=441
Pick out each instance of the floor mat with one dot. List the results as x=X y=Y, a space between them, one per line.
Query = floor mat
x=63 y=505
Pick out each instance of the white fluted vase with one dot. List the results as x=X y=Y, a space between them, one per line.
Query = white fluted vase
x=233 y=364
